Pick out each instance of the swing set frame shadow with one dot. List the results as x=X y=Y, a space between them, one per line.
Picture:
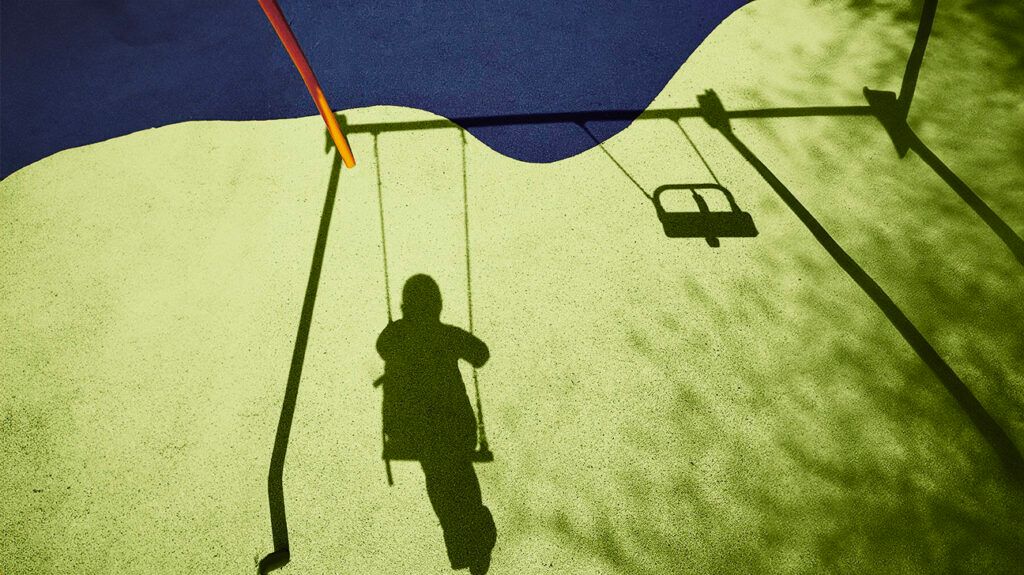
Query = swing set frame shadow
x=889 y=108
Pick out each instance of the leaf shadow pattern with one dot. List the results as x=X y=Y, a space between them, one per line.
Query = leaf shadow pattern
x=839 y=470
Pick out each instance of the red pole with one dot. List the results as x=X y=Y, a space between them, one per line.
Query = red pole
x=284 y=32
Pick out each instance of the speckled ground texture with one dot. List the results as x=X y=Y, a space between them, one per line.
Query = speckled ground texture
x=655 y=406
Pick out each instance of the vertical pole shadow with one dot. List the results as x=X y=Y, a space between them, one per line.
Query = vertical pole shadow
x=275 y=478
x=991 y=219
x=916 y=58
x=990 y=430
x=892 y=111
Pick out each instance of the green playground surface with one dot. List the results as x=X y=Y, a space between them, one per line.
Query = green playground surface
x=655 y=405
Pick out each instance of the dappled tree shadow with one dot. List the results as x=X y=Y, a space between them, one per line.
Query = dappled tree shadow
x=877 y=473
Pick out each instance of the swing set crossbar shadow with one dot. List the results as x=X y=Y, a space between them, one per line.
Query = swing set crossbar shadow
x=890 y=109
x=615 y=115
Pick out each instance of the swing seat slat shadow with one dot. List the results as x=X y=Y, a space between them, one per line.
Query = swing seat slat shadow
x=704 y=223
x=397 y=451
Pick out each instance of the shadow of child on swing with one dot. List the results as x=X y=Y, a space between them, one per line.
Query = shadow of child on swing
x=427 y=414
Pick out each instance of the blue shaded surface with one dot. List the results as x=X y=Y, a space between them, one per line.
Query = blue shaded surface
x=75 y=72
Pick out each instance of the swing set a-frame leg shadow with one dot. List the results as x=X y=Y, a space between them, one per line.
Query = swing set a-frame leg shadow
x=890 y=109
x=275 y=478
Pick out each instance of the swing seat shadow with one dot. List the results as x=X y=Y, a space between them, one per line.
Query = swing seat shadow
x=397 y=451
x=703 y=223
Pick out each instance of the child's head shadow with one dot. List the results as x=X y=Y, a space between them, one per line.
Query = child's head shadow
x=421 y=299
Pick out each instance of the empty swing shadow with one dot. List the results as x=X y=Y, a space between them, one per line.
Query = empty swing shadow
x=1008 y=453
x=275 y=478
x=704 y=223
